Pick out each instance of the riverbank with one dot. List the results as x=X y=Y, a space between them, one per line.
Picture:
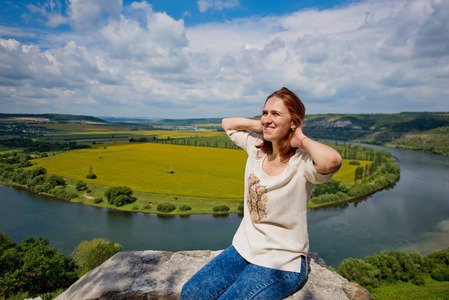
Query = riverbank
x=147 y=202
x=364 y=172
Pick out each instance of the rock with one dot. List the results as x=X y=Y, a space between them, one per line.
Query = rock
x=161 y=275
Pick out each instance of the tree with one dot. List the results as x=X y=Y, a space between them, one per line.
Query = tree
x=119 y=195
x=81 y=186
x=38 y=171
x=90 y=254
x=357 y=270
x=34 y=267
x=166 y=207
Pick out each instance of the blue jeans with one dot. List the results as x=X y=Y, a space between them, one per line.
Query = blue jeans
x=229 y=276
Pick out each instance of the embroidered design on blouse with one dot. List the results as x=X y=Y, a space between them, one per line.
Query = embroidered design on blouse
x=257 y=199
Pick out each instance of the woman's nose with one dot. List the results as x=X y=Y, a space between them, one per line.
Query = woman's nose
x=265 y=119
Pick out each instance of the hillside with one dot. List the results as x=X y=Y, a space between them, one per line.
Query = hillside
x=165 y=122
x=423 y=131
x=59 y=118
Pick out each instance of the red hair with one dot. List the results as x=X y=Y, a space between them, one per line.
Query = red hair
x=297 y=112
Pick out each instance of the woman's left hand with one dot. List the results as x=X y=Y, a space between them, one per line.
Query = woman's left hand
x=298 y=135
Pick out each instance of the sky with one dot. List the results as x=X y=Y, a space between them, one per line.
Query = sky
x=222 y=58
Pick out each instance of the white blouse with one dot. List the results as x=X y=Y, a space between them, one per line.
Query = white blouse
x=273 y=232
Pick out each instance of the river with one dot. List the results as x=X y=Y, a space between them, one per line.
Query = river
x=411 y=216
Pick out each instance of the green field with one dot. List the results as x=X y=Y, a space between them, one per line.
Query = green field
x=433 y=290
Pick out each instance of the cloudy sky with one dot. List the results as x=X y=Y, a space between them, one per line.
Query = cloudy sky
x=218 y=58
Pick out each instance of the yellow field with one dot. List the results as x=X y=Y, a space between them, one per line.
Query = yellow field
x=87 y=129
x=347 y=171
x=76 y=128
x=162 y=134
x=198 y=171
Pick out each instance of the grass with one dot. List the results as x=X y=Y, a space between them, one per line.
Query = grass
x=148 y=202
x=433 y=290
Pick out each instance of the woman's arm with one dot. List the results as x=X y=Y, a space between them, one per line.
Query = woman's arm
x=241 y=124
x=326 y=159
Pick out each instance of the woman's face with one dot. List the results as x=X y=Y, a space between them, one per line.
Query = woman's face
x=276 y=120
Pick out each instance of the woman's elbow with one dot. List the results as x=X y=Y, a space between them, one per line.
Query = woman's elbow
x=330 y=165
x=225 y=124
x=335 y=162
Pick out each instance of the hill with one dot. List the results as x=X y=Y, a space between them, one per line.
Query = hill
x=423 y=131
x=165 y=122
x=59 y=118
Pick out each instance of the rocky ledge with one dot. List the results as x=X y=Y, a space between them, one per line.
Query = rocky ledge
x=161 y=275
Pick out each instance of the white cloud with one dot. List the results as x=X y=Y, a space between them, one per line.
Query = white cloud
x=51 y=10
x=219 y=5
x=89 y=14
x=371 y=56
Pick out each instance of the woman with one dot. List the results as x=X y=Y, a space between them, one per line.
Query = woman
x=267 y=259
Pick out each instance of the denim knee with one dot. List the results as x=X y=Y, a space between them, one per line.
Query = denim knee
x=215 y=277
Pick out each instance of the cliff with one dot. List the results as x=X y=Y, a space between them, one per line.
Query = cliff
x=161 y=275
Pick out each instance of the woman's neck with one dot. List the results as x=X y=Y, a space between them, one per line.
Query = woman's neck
x=275 y=153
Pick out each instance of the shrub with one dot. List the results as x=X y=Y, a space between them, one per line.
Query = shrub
x=419 y=281
x=38 y=171
x=119 y=195
x=148 y=206
x=221 y=208
x=166 y=207
x=357 y=270
x=185 y=207
x=64 y=194
x=56 y=180
x=90 y=254
x=38 y=180
x=51 y=182
x=440 y=274
x=91 y=176
x=98 y=200
x=81 y=186
x=356 y=163
x=240 y=207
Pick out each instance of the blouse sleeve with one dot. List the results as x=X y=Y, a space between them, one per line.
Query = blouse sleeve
x=244 y=139
x=312 y=174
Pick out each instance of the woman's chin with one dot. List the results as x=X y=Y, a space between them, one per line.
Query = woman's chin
x=267 y=137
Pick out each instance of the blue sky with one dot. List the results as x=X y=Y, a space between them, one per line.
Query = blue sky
x=218 y=58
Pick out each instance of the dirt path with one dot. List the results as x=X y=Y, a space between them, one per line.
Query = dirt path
x=86 y=197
